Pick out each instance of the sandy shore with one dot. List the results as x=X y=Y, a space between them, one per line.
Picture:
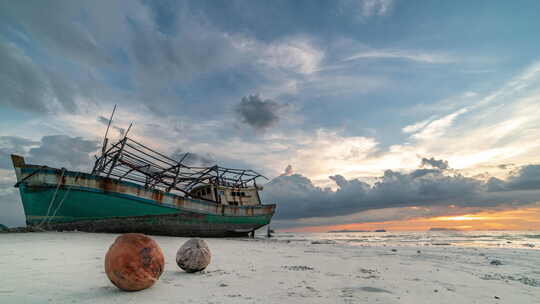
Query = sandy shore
x=68 y=268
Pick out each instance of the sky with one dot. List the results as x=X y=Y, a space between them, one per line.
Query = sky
x=361 y=113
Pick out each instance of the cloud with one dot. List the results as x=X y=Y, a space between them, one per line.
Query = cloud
x=104 y=120
x=496 y=127
x=337 y=85
x=526 y=178
x=416 y=126
x=417 y=56
x=505 y=166
x=298 y=198
x=435 y=163
x=207 y=159
x=156 y=52
x=435 y=128
x=63 y=151
x=13 y=145
x=88 y=48
x=288 y=170
x=193 y=159
x=122 y=131
x=257 y=112
x=295 y=54
x=25 y=85
x=375 y=7
x=62 y=32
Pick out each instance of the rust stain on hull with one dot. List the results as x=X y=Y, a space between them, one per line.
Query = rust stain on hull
x=157 y=196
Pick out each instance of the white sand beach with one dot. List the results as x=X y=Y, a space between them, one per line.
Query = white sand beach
x=55 y=267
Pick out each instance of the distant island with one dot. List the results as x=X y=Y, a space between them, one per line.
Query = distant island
x=442 y=229
x=380 y=230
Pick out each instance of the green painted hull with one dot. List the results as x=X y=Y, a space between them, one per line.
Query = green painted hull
x=84 y=202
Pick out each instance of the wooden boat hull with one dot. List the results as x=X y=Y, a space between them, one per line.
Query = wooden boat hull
x=67 y=200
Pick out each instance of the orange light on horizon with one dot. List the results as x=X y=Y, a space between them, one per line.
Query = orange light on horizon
x=525 y=218
x=466 y=217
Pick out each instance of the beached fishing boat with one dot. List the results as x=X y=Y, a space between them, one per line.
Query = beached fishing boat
x=133 y=188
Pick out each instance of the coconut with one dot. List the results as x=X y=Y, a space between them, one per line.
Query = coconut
x=134 y=262
x=194 y=255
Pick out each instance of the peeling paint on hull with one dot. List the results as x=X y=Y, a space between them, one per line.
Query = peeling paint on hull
x=92 y=203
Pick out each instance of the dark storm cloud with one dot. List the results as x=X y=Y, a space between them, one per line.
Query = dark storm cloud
x=526 y=178
x=496 y=185
x=297 y=197
x=423 y=172
x=258 y=113
x=435 y=163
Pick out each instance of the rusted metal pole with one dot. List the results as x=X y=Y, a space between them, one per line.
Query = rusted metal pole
x=118 y=155
x=129 y=128
x=104 y=146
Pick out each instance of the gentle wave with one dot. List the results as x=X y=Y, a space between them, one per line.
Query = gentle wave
x=505 y=239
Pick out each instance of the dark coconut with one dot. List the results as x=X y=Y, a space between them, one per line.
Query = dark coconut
x=134 y=262
x=194 y=255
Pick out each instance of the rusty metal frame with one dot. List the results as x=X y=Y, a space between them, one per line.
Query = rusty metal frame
x=133 y=161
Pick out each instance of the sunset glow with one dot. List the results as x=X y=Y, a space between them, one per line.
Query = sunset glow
x=517 y=219
x=466 y=217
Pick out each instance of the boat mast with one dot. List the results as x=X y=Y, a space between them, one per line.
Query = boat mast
x=105 y=139
x=99 y=159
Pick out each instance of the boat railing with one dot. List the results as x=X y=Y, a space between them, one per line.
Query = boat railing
x=133 y=161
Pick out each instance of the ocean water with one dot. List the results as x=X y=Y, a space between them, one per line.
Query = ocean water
x=498 y=239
